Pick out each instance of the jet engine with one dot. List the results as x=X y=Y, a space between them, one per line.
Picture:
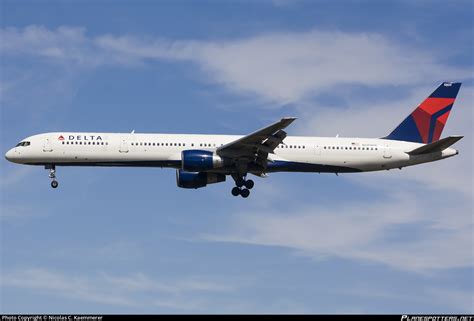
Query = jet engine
x=200 y=160
x=197 y=179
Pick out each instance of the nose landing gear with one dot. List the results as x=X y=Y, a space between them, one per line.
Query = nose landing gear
x=52 y=175
x=241 y=182
x=54 y=184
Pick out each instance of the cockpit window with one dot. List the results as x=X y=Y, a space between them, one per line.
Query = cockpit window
x=23 y=144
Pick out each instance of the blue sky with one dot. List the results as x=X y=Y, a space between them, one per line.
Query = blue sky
x=129 y=241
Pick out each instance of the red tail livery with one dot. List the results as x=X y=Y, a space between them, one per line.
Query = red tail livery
x=426 y=122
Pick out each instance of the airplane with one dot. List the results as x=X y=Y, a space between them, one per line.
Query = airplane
x=200 y=160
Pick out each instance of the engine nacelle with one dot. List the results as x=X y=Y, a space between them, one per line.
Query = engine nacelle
x=197 y=180
x=200 y=160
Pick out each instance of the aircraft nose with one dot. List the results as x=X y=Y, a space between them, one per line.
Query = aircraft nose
x=10 y=155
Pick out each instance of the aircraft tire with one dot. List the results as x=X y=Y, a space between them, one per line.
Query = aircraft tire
x=236 y=191
x=249 y=184
x=245 y=193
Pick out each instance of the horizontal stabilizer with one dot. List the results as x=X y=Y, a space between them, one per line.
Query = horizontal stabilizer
x=437 y=146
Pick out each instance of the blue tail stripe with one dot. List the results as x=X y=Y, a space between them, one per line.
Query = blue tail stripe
x=406 y=131
x=433 y=119
x=449 y=91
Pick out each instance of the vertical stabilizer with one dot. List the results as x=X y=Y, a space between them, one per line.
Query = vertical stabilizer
x=425 y=124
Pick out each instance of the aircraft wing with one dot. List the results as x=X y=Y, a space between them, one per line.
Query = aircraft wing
x=257 y=146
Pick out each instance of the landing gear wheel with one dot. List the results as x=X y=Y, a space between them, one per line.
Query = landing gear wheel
x=236 y=191
x=54 y=184
x=245 y=193
x=249 y=184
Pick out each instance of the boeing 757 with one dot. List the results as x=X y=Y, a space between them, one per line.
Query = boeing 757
x=200 y=160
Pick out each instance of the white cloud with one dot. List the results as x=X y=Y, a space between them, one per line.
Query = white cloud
x=64 y=43
x=276 y=67
x=404 y=232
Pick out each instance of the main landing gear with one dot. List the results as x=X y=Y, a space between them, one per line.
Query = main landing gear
x=242 y=187
x=52 y=175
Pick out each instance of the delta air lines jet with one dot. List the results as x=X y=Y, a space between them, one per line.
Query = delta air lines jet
x=207 y=159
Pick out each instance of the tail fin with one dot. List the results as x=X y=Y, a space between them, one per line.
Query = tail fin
x=426 y=122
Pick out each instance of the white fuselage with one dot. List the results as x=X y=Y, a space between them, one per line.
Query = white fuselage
x=296 y=153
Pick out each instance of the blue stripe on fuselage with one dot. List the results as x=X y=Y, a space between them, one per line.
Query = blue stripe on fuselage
x=275 y=166
x=285 y=166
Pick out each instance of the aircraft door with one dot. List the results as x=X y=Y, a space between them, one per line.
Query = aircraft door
x=123 y=146
x=387 y=153
x=47 y=147
x=318 y=150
